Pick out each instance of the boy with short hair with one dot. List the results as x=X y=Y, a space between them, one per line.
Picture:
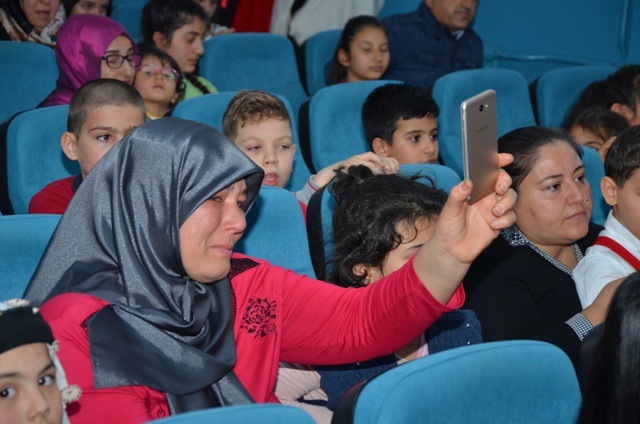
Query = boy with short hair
x=616 y=252
x=101 y=113
x=401 y=121
x=258 y=123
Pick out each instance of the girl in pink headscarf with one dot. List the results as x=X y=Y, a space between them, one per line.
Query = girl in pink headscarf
x=91 y=47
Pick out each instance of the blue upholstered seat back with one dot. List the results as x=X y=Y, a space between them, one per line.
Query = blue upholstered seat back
x=29 y=73
x=255 y=414
x=34 y=155
x=253 y=61
x=557 y=90
x=335 y=128
x=396 y=7
x=129 y=14
x=276 y=231
x=23 y=239
x=318 y=51
x=513 y=104
x=209 y=109
x=514 y=382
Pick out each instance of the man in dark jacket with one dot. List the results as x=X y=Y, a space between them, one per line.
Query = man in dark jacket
x=432 y=41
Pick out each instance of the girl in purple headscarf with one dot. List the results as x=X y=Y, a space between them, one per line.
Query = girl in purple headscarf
x=91 y=47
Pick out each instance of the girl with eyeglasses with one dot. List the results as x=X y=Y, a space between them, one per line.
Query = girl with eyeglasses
x=91 y=47
x=178 y=27
x=158 y=81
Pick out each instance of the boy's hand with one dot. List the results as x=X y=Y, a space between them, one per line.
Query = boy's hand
x=377 y=164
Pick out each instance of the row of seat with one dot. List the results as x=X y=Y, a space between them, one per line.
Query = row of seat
x=513 y=381
x=330 y=130
x=531 y=39
x=264 y=61
x=276 y=231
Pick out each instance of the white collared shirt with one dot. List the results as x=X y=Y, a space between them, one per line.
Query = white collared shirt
x=601 y=265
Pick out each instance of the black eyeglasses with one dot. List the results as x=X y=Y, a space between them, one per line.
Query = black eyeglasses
x=115 y=60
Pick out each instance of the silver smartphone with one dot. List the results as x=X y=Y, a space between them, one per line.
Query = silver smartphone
x=480 y=143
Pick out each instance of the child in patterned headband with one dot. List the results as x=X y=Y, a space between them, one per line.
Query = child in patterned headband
x=32 y=383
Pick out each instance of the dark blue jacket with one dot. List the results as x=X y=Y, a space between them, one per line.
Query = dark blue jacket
x=454 y=329
x=422 y=49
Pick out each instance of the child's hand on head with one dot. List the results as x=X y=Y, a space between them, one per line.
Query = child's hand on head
x=377 y=164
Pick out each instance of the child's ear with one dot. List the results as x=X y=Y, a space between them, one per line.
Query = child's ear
x=69 y=142
x=174 y=99
x=343 y=58
x=609 y=191
x=159 y=40
x=379 y=147
x=623 y=110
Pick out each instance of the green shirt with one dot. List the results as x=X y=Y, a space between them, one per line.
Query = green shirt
x=192 y=91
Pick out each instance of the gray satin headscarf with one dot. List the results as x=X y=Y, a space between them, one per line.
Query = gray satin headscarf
x=119 y=241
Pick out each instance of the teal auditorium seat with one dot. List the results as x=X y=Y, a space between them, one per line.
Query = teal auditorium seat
x=23 y=239
x=29 y=73
x=253 y=61
x=209 y=109
x=322 y=204
x=276 y=231
x=34 y=156
x=595 y=172
x=331 y=123
x=556 y=91
x=536 y=37
x=515 y=382
x=396 y=7
x=129 y=14
x=513 y=104
x=254 y=414
x=318 y=51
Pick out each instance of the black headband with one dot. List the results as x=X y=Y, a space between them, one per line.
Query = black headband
x=22 y=326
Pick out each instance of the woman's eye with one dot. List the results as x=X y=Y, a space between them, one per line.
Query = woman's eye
x=581 y=178
x=554 y=187
x=7 y=392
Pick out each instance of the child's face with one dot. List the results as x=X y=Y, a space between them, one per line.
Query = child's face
x=369 y=56
x=122 y=46
x=269 y=144
x=399 y=256
x=186 y=45
x=93 y=7
x=625 y=201
x=586 y=138
x=104 y=128
x=209 y=6
x=28 y=391
x=415 y=141
x=156 y=82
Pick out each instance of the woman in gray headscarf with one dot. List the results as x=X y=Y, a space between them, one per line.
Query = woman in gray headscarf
x=155 y=314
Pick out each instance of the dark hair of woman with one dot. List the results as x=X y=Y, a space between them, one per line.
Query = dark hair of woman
x=351 y=29
x=525 y=144
x=369 y=210
x=613 y=388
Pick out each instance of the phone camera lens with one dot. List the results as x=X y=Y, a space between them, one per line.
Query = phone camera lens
x=481 y=108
